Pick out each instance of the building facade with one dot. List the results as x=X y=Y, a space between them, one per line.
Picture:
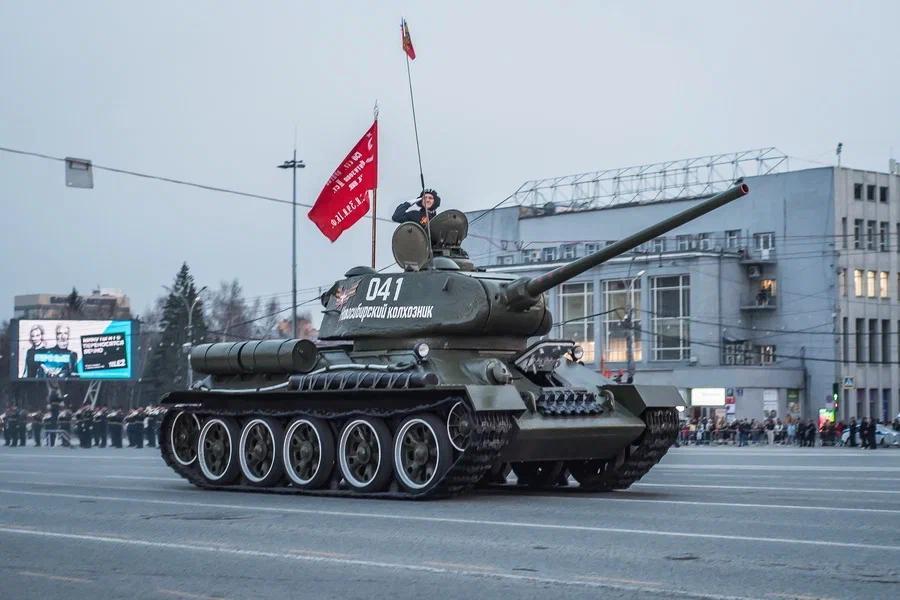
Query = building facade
x=100 y=304
x=773 y=301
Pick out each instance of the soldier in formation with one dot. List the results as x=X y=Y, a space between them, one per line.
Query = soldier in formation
x=134 y=428
x=115 y=419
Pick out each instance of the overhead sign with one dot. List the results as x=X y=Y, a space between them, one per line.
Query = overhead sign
x=62 y=349
x=708 y=397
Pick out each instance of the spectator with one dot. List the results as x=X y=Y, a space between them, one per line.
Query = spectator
x=770 y=432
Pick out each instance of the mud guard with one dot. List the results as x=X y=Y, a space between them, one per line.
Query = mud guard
x=636 y=398
x=491 y=398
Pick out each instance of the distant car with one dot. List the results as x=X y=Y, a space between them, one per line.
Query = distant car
x=884 y=436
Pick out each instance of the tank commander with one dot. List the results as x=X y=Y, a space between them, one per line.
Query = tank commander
x=427 y=204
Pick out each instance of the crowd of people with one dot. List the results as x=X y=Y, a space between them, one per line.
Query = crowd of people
x=787 y=432
x=88 y=426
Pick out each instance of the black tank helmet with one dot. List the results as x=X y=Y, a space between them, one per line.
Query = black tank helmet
x=437 y=199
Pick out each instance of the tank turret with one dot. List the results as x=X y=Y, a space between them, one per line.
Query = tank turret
x=440 y=294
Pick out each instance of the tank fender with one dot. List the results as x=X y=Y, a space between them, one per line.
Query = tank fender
x=495 y=398
x=638 y=397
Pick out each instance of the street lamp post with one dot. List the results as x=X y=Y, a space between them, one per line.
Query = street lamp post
x=628 y=322
x=293 y=164
x=190 y=327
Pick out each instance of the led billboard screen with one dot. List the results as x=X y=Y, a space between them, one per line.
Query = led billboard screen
x=61 y=349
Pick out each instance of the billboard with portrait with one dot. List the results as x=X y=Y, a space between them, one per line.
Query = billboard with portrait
x=63 y=349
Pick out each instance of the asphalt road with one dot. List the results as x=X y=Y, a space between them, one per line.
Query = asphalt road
x=705 y=523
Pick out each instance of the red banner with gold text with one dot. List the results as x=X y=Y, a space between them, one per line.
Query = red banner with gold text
x=345 y=198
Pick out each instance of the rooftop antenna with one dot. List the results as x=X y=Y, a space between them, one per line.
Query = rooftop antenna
x=837 y=151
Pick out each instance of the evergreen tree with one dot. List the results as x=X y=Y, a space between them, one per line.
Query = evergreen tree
x=167 y=370
x=74 y=305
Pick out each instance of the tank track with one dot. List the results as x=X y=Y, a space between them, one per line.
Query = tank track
x=492 y=432
x=641 y=455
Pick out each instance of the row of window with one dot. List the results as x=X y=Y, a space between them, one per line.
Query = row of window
x=732 y=240
x=746 y=353
x=870 y=192
x=873 y=340
x=868 y=284
x=870 y=235
x=669 y=312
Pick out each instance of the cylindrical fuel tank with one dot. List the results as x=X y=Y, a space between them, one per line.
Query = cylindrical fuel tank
x=267 y=356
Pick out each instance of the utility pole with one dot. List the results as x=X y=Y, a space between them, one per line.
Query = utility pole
x=189 y=306
x=628 y=324
x=293 y=164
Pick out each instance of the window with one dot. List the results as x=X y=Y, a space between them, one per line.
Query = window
x=873 y=340
x=505 y=259
x=576 y=302
x=591 y=247
x=845 y=341
x=870 y=235
x=883 y=194
x=883 y=291
x=766 y=293
x=568 y=251
x=658 y=245
x=670 y=309
x=883 y=234
x=860 y=340
x=885 y=341
x=844 y=232
x=550 y=253
x=857 y=233
x=683 y=242
x=704 y=241
x=733 y=239
x=617 y=297
x=764 y=241
x=897 y=239
x=531 y=256
x=842 y=282
x=870 y=284
x=870 y=193
x=857 y=191
x=858 y=283
x=766 y=354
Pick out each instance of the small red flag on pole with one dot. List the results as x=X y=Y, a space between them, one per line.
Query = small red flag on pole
x=407 y=40
x=345 y=198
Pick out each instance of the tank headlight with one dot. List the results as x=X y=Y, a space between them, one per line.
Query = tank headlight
x=681 y=408
x=422 y=350
x=577 y=352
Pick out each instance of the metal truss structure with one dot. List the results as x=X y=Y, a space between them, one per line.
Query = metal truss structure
x=685 y=178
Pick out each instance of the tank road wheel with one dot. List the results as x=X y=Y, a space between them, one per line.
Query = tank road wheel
x=183 y=438
x=459 y=426
x=599 y=475
x=422 y=452
x=308 y=453
x=260 y=456
x=364 y=454
x=539 y=474
x=217 y=450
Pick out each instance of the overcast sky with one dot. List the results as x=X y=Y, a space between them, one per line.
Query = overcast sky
x=505 y=92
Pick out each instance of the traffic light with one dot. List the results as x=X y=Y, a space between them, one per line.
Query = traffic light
x=836 y=394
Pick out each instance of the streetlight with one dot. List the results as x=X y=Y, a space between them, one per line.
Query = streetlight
x=628 y=323
x=293 y=164
x=190 y=318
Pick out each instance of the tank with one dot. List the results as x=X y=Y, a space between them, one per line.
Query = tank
x=426 y=382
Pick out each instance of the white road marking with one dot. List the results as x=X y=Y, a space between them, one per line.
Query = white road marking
x=751 y=488
x=460 y=521
x=178 y=594
x=661 y=472
x=594 y=582
x=142 y=477
x=81 y=457
x=55 y=577
x=561 y=495
x=805 y=468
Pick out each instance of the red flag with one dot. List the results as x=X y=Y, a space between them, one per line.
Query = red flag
x=407 y=41
x=345 y=198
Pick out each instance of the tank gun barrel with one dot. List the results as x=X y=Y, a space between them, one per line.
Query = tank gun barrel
x=526 y=291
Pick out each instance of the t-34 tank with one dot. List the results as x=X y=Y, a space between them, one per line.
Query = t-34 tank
x=426 y=382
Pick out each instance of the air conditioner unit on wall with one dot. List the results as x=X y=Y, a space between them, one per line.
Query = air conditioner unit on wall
x=754 y=272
